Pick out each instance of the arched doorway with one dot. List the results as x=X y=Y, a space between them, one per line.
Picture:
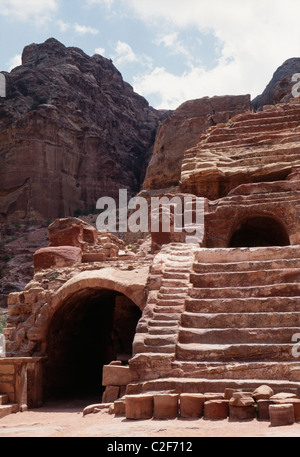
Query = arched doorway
x=91 y=328
x=259 y=231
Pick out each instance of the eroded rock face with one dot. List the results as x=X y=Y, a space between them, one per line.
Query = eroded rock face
x=279 y=89
x=71 y=131
x=181 y=131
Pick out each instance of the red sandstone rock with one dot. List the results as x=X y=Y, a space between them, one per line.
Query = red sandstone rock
x=263 y=409
x=263 y=393
x=56 y=257
x=115 y=375
x=181 y=131
x=241 y=413
x=165 y=406
x=296 y=404
x=216 y=409
x=281 y=415
x=191 y=405
x=82 y=133
x=110 y=394
x=120 y=407
x=241 y=399
x=228 y=393
x=71 y=232
x=283 y=396
x=139 y=406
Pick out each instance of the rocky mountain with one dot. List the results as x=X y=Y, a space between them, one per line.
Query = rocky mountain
x=279 y=89
x=71 y=131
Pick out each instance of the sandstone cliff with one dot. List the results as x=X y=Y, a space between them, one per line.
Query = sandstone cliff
x=71 y=131
x=181 y=131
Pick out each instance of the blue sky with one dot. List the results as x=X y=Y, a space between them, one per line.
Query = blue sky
x=170 y=51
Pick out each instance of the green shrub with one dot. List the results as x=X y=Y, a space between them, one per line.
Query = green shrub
x=3 y=319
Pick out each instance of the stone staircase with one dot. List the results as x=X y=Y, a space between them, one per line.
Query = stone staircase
x=158 y=331
x=7 y=408
x=252 y=147
x=232 y=317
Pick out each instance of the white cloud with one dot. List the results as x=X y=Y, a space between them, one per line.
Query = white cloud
x=14 y=62
x=107 y=3
x=254 y=37
x=27 y=10
x=124 y=54
x=174 y=45
x=85 y=29
x=64 y=26
x=100 y=51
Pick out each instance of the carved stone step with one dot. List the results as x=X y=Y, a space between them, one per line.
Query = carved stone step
x=168 y=303
x=283 y=290
x=221 y=255
x=237 y=370
x=240 y=305
x=199 y=267
x=234 y=352
x=160 y=340
x=198 y=385
x=172 y=290
x=163 y=330
x=5 y=410
x=165 y=323
x=240 y=320
x=169 y=310
x=171 y=296
x=166 y=317
x=169 y=349
x=177 y=283
x=176 y=275
x=251 y=278
x=3 y=399
x=238 y=335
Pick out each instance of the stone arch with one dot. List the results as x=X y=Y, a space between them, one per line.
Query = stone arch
x=93 y=322
x=259 y=230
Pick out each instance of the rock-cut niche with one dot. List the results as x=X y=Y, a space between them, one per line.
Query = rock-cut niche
x=259 y=231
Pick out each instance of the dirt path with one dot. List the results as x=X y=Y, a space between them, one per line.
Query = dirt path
x=67 y=420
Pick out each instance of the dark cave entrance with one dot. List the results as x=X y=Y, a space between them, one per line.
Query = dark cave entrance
x=259 y=232
x=91 y=329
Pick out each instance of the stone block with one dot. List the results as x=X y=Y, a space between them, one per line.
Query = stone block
x=213 y=396
x=138 y=407
x=120 y=407
x=295 y=374
x=216 y=409
x=241 y=399
x=283 y=396
x=296 y=404
x=242 y=413
x=110 y=394
x=166 y=406
x=65 y=232
x=263 y=393
x=228 y=393
x=282 y=414
x=7 y=369
x=263 y=409
x=115 y=375
x=56 y=257
x=191 y=405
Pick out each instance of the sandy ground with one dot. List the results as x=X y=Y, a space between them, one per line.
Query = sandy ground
x=67 y=420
